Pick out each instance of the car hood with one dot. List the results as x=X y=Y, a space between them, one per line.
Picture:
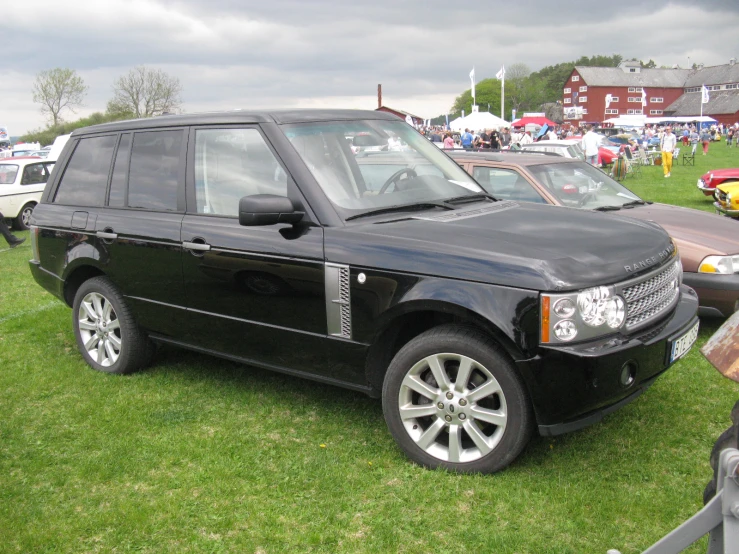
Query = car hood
x=722 y=173
x=697 y=233
x=529 y=246
x=726 y=187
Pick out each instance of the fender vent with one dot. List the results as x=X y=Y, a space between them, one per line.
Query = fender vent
x=464 y=213
x=338 y=301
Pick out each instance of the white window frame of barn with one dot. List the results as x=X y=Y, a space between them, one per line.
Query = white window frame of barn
x=693 y=89
x=575 y=78
x=656 y=100
x=614 y=99
x=568 y=100
x=733 y=85
x=583 y=99
x=635 y=99
x=567 y=91
x=634 y=89
x=611 y=111
x=655 y=112
x=633 y=112
x=585 y=111
x=584 y=88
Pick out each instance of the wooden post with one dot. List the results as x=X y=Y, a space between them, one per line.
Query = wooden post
x=379 y=96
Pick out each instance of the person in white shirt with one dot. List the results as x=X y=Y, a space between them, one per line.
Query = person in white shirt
x=526 y=138
x=667 y=145
x=590 y=143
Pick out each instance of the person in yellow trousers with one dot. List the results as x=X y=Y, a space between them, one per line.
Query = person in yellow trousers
x=668 y=143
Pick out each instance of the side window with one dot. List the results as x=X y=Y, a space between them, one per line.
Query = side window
x=35 y=174
x=506 y=184
x=117 y=196
x=86 y=176
x=231 y=164
x=154 y=170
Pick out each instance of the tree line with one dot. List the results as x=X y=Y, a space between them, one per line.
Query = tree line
x=526 y=91
x=142 y=92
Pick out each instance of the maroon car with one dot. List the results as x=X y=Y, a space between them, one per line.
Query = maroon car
x=708 y=243
x=710 y=180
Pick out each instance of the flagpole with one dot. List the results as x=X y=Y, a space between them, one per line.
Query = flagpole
x=502 y=97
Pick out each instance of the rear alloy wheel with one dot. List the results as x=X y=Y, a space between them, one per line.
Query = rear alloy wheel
x=453 y=399
x=23 y=221
x=107 y=336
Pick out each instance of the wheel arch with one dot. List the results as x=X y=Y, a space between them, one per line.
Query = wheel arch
x=75 y=277
x=409 y=319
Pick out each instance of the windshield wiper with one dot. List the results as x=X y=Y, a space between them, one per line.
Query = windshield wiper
x=471 y=197
x=607 y=208
x=403 y=208
x=636 y=203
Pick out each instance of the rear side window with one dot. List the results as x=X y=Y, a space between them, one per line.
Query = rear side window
x=8 y=174
x=506 y=184
x=35 y=174
x=155 y=169
x=86 y=177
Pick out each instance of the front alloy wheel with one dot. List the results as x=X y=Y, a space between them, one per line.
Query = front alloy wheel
x=452 y=398
x=453 y=408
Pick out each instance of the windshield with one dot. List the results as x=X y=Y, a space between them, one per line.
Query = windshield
x=365 y=165
x=8 y=173
x=581 y=185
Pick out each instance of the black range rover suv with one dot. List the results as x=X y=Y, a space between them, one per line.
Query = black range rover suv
x=264 y=237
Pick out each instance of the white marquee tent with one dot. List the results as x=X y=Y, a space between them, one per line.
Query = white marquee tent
x=477 y=121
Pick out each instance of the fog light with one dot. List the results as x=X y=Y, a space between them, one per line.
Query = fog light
x=628 y=374
x=565 y=330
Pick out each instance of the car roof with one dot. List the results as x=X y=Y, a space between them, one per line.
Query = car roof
x=553 y=142
x=23 y=160
x=513 y=157
x=237 y=116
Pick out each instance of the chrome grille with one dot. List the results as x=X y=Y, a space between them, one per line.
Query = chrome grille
x=650 y=296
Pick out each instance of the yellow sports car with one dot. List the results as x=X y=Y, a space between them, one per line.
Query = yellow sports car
x=727 y=199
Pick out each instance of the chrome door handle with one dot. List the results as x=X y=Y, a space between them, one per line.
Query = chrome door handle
x=196 y=246
x=106 y=236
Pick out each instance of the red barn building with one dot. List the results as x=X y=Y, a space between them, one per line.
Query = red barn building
x=668 y=92
x=587 y=87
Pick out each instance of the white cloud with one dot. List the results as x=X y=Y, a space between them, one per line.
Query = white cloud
x=287 y=53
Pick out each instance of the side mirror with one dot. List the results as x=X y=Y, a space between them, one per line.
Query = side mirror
x=267 y=209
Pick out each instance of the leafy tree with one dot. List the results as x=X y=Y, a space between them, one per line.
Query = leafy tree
x=145 y=92
x=47 y=135
x=487 y=92
x=648 y=65
x=58 y=89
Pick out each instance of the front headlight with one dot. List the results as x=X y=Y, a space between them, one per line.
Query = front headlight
x=724 y=265
x=586 y=314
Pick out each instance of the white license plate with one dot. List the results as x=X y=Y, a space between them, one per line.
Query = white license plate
x=680 y=346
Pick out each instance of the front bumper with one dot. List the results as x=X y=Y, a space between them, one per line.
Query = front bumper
x=725 y=211
x=575 y=386
x=707 y=190
x=716 y=293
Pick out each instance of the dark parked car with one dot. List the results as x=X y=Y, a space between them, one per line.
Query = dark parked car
x=261 y=237
x=708 y=243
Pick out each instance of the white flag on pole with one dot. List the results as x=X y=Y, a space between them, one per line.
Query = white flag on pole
x=472 y=78
x=409 y=120
x=643 y=97
x=609 y=99
x=472 y=75
x=500 y=74
x=704 y=95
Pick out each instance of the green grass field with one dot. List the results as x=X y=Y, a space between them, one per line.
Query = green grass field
x=201 y=455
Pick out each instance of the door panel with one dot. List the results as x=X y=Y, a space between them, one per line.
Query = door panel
x=257 y=292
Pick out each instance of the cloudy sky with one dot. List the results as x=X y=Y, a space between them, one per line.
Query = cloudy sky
x=333 y=53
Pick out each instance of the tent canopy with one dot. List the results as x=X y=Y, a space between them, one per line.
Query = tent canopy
x=533 y=121
x=682 y=119
x=477 y=121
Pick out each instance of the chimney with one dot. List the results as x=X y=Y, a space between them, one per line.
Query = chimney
x=732 y=61
x=379 y=96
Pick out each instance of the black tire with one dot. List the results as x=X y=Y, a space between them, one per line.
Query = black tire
x=24 y=216
x=727 y=439
x=106 y=327
x=455 y=346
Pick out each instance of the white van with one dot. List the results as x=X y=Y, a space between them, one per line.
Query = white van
x=22 y=182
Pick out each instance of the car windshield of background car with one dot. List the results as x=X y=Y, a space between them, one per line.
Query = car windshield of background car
x=8 y=174
x=404 y=169
x=581 y=185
